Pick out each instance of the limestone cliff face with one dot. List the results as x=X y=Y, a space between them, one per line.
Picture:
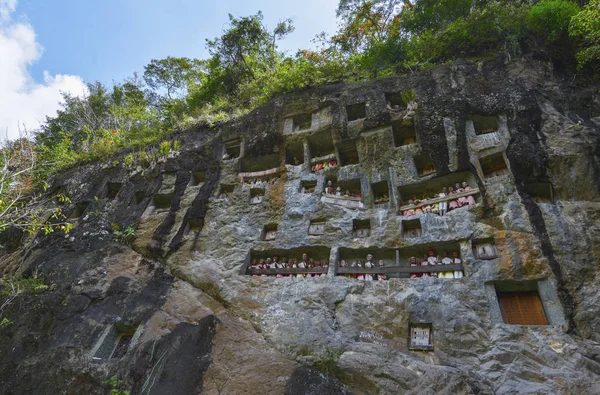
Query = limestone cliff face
x=185 y=317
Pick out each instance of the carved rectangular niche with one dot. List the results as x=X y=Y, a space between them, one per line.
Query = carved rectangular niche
x=111 y=190
x=530 y=302
x=411 y=228
x=349 y=153
x=356 y=111
x=270 y=232
x=541 y=191
x=321 y=146
x=316 y=227
x=522 y=308
x=484 y=249
x=308 y=186
x=260 y=163
x=233 y=148
x=226 y=190
x=493 y=165
x=198 y=177
x=349 y=188
x=424 y=165
x=139 y=197
x=394 y=100
x=116 y=341
x=484 y=124
x=421 y=337
x=294 y=153
x=163 y=200
x=381 y=192
x=194 y=225
x=79 y=209
x=361 y=228
x=404 y=134
x=257 y=195
x=301 y=122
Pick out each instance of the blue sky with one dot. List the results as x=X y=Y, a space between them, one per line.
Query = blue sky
x=53 y=46
x=110 y=39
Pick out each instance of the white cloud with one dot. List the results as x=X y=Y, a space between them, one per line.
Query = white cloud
x=22 y=100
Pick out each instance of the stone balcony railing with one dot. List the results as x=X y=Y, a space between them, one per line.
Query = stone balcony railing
x=287 y=271
x=323 y=158
x=401 y=269
x=361 y=270
x=259 y=174
x=447 y=198
x=346 y=201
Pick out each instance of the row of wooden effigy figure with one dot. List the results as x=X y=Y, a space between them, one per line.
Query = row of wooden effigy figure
x=369 y=270
x=276 y=265
x=419 y=206
x=432 y=260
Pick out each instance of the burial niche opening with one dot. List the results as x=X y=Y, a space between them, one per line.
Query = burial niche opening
x=294 y=153
x=404 y=134
x=260 y=163
x=111 y=190
x=424 y=165
x=493 y=165
x=316 y=227
x=257 y=195
x=79 y=210
x=361 y=228
x=394 y=100
x=349 y=153
x=301 y=122
x=344 y=188
x=522 y=308
x=194 y=225
x=421 y=337
x=484 y=124
x=356 y=111
x=163 y=200
x=411 y=228
x=116 y=341
x=270 y=232
x=308 y=186
x=541 y=191
x=226 y=190
x=485 y=249
x=306 y=261
x=439 y=195
x=139 y=197
x=322 y=151
x=198 y=177
x=233 y=148
x=381 y=192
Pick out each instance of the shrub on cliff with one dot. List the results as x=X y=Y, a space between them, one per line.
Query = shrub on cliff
x=551 y=18
x=585 y=26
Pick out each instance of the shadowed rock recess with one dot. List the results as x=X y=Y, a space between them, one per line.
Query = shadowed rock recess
x=187 y=309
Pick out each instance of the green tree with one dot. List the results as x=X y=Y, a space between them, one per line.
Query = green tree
x=242 y=55
x=551 y=18
x=585 y=26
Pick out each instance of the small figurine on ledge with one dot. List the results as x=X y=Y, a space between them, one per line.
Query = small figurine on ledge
x=369 y=264
x=456 y=260
x=329 y=188
x=381 y=276
x=446 y=261
x=412 y=261
x=470 y=199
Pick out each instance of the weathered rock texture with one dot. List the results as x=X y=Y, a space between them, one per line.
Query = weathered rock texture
x=203 y=326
